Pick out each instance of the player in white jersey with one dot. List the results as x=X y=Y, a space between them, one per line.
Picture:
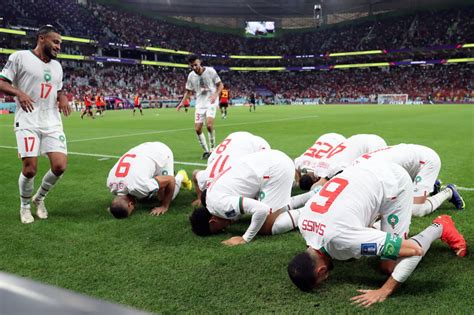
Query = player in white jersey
x=205 y=82
x=235 y=146
x=423 y=165
x=335 y=225
x=145 y=172
x=258 y=184
x=342 y=156
x=35 y=78
x=306 y=162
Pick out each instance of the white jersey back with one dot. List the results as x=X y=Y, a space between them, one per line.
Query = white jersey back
x=41 y=81
x=308 y=160
x=412 y=157
x=346 y=153
x=338 y=217
x=235 y=146
x=265 y=176
x=204 y=86
x=135 y=171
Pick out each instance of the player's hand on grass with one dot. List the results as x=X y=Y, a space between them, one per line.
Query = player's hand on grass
x=26 y=102
x=158 y=211
x=369 y=297
x=233 y=241
x=64 y=108
x=196 y=203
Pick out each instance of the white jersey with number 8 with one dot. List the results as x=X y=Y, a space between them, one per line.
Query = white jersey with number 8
x=235 y=146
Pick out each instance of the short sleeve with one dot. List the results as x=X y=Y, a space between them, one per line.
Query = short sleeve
x=215 y=77
x=189 y=83
x=355 y=243
x=11 y=68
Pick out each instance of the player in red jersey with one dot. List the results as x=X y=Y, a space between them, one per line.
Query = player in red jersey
x=137 y=104
x=88 y=105
x=100 y=104
x=224 y=101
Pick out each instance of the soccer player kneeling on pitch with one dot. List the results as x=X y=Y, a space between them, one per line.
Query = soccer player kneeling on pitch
x=258 y=184
x=423 y=165
x=335 y=225
x=145 y=172
x=232 y=148
x=343 y=155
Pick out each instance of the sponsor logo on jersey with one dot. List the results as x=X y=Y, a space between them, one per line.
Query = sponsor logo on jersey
x=368 y=249
x=392 y=220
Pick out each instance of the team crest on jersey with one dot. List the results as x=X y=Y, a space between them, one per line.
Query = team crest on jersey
x=47 y=75
x=164 y=173
x=261 y=196
x=392 y=220
x=418 y=179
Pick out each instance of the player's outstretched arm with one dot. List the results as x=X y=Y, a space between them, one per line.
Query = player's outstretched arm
x=167 y=183
x=411 y=254
x=186 y=95
x=259 y=212
x=63 y=104
x=26 y=102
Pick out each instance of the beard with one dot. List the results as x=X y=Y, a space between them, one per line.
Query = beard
x=49 y=52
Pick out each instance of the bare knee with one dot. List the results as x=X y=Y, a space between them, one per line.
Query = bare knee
x=58 y=169
x=29 y=168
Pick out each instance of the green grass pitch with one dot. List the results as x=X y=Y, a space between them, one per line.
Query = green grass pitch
x=157 y=264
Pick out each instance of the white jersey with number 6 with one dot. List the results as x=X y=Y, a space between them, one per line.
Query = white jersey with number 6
x=134 y=173
x=41 y=81
x=337 y=219
x=235 y=146
x=325 y=143
x=422 y=163
x=346 y=153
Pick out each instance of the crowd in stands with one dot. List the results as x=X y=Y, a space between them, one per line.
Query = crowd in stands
x=104 y=23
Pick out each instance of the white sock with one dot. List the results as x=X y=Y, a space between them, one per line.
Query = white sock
x=202 y=142
x=428 y=236
x=48 y=182
x=285 y=222
x=212 y=138
x=432 y=203
x=177 y=186
x=26 y=189
x=300 y=200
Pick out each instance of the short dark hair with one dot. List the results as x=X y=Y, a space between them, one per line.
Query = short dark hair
x=203 y=198
x=118 y=211
x=301 y=271
x=199 y=220
x=192 y=58
x=306 y=181
x=45 y=29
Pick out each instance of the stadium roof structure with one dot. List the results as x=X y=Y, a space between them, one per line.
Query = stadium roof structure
x=271 y=9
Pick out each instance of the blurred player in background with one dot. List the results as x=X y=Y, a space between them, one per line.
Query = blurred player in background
x=100 y=104
x=224 y=102
x=145 y=172
x=252 y=102
x=88 y=107
x=35 y=78
x=207 y=85
x=137 y=104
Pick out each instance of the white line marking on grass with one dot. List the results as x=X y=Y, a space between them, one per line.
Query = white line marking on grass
x=189 y=129
x=106 y=157
x=465 y=188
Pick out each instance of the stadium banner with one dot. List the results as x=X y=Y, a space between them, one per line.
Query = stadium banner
x=163 y=64
x=254 y=57
x=12 y=31
x=166 y=50
x=355 y=53
x=116 y=60
x=78 y=39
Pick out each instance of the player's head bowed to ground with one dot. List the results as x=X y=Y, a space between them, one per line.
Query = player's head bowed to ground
x=336 y=224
